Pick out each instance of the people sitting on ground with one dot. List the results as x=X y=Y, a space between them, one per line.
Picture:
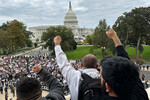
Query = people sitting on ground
x=30 y=89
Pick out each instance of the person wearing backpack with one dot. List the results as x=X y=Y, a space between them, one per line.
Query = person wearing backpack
x=72 y=76
x=85 y=85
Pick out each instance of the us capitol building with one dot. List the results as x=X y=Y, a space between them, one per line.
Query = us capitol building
x=70 y=21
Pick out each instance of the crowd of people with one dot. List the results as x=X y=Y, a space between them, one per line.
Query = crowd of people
x=143 y=66
x=14 y=68
x=113 y=78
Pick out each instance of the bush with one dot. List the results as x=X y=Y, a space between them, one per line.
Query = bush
x=28 y=43
x=91 y=50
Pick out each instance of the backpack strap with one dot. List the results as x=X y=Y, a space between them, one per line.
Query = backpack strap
x=87 y=84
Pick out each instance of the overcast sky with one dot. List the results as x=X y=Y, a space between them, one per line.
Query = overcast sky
x=52 y=12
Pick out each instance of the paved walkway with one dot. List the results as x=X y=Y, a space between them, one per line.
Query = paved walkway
x=22 y=53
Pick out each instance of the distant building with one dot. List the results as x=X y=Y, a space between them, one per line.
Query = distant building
x=37 y=32
x=70 y=21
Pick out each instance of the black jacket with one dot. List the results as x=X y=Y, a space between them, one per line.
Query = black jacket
x=55 y=88
x=139 y=93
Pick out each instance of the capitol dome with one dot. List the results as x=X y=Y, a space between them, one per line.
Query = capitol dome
x=70 y=18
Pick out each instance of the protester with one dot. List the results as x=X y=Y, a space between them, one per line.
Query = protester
x=72 y=76
x=12 y=70
x=29 y=88
x=143 y=77
x=1 y=89
x=120 y=76
x=13 y=91
x=6 y=90
x=6 y=96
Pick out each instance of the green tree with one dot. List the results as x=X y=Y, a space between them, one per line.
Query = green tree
x=4 y=26
x=99 y=37
x=28 y=42
x=37 y=40
x=14 y=27
x=28 y=35
x=134 y=27
x=123 y=29
x=35 y=44
x=89 y=39
x=66 y=34
x=147 y=39
x=16 y=34
x=5 y=42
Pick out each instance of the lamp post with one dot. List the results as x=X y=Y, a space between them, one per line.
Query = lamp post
x=103 y=49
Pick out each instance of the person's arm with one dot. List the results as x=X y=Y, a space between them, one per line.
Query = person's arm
x=71 y=75
x=66 y=68
x=119 y=47
x=54 y=86
x=140 y=93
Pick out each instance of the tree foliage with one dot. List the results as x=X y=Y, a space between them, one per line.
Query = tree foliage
x=27 y=35
x=89 y=39
x=37 y=40
x=28 y=42
x=133 y=27
x=35 y=44
x=68 y=43
x=147 y=39
x=99 y=37
x=14 y=34
x=5 y=42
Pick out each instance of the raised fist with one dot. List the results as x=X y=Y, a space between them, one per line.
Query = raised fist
x=36 y=68
x=111 y=34
x=57 y=40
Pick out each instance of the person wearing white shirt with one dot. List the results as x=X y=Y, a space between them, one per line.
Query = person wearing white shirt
x=72 y=76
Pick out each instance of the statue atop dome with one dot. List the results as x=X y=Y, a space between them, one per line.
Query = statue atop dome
x=70 y=5
x=70 y=18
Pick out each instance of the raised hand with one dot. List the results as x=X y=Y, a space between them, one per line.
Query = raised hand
x=111 y=34
x=36 y=69
x=57 y=40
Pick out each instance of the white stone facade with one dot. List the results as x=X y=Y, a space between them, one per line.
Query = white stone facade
x=37 y=32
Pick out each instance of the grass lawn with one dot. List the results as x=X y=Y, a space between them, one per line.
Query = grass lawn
x=145 y=54
x=81 y=51
x=18 y=50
